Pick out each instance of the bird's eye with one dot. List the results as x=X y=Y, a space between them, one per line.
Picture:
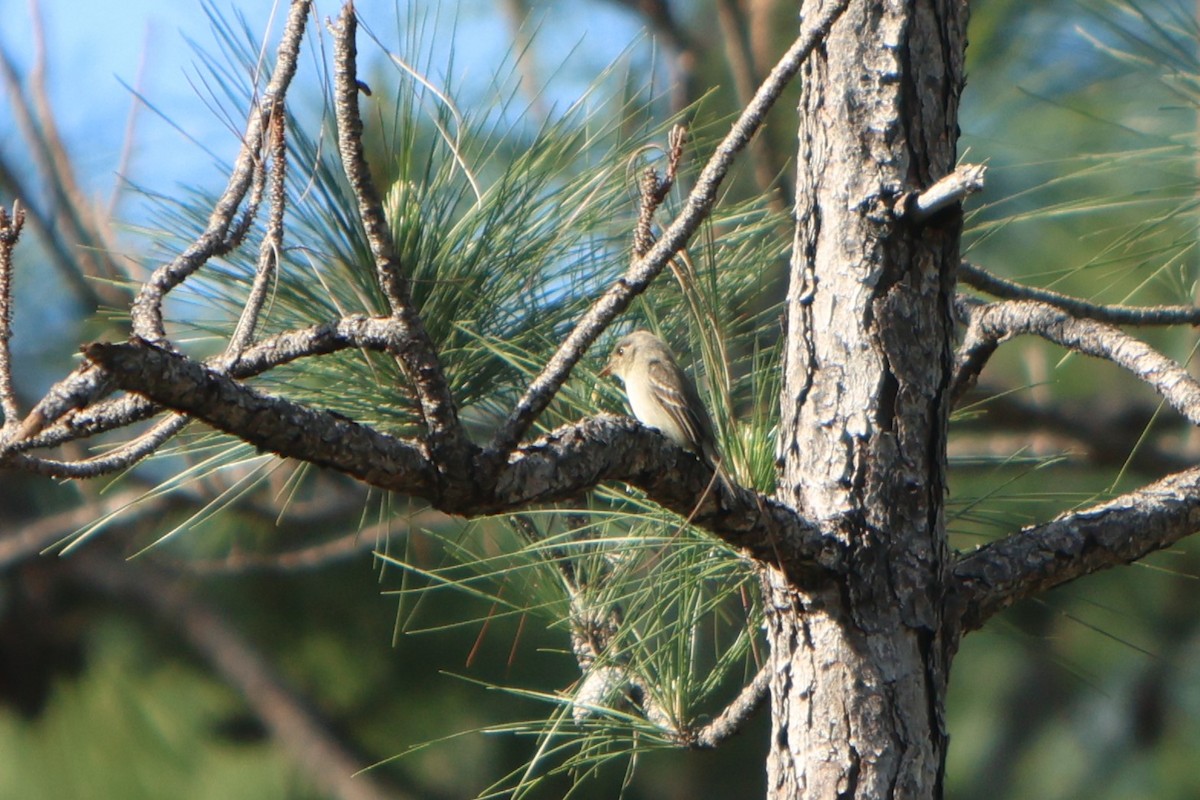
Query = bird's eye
x=620 y=351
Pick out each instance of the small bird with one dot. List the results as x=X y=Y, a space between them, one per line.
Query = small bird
x=662 y=395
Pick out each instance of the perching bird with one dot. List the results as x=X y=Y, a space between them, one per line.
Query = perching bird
x=662 y=395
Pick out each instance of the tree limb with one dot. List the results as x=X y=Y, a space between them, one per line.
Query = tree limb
x=991 y=324
x=10 y=233
x=1078 y=543
x=984 y=281
x=417 y=354
x=735 y=715
x=268 y=422
x=563 y=464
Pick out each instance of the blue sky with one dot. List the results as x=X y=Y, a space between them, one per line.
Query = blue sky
x=95 y=51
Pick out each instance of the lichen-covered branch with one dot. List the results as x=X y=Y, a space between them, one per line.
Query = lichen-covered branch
x=416 y=354
x=271 y=423
x=1078 y=543
x=10 y=234
x=994 y=323
x=565 y=463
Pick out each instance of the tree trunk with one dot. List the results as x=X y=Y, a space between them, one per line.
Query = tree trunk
x=861 y=663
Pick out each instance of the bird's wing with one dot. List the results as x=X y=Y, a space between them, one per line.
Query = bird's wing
x=677 y=394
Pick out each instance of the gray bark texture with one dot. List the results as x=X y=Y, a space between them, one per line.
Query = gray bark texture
x=861 y=659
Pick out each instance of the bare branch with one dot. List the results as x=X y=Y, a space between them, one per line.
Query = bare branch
x=997 y=322
x=119 y=459
x=735 y=715
x=272 y=423
x=82 y=387
x=272 y=244
x=1078 y=543
x=618 y=296
x=370 y=333
x=10 y=234
x=147 y=307
x=576 y=457
x=417 y=356
x=996 y=286
x=965 y=180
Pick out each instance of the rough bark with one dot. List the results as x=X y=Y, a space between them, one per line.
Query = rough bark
x=861 y=662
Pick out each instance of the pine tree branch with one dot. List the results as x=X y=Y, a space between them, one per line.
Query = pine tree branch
x=979 y=278
x=271 y=423
x=643 y=270
x=417 y=354
x=10 y=234
x=994 y=323
x=735 y=715
x=381 y=334
x=950 y=190
x=563 y=464
x=1078 y=543
x=221 y=234
x=271 y=248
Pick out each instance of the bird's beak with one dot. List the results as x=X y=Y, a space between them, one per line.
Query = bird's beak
x=604 y=373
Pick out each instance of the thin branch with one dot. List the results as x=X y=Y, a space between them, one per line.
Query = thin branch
x=739 y=711
x=952 y=189
x=147 y=311
x=417 y=356
x=1078 y=543
x=76 y=391
x=118 y=460
x=10 y=234
x=984 y=281
x=699 y=202
x=994 y=323
x=272 y=244
x=82 y=387
x=329 y=765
